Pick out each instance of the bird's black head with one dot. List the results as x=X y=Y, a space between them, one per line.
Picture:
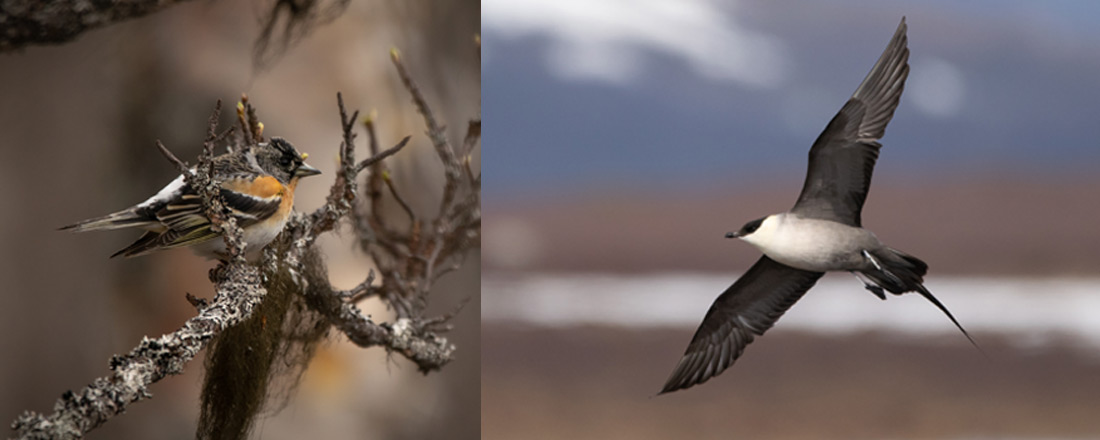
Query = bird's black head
x=749 y=228
x=283 y=161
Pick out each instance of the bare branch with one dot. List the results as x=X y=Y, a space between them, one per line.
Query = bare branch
x=384 y=154
x=180 y=165
x=397 y=196
x=435 y=133
x=473 y=135
x=446 y=317
x=408 y=258
x=362 y=291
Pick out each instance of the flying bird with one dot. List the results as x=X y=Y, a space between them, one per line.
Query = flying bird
x=821 y=233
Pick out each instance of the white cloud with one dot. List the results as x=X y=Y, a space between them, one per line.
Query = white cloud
x=604 y=40
x=936 y=87
x=608 y=63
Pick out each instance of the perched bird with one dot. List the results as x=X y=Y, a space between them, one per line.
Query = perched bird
x=821 y=233
x=256 y=183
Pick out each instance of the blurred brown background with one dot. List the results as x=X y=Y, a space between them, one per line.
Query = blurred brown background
x=77 y=129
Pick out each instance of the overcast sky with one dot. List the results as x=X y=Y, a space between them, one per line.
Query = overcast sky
x=637 y=94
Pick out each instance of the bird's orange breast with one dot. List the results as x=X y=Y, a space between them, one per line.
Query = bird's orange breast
x=262 y=187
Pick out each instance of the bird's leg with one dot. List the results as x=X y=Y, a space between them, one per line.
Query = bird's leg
x=870 y=285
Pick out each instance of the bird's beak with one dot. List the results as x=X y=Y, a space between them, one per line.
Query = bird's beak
x=732 y=235
x=306 y=170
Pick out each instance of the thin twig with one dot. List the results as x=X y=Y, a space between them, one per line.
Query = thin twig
x=384 y=154
x=473 y=135
x=446 y=317
x=362 y=288
x=435 y=133
x=180 y=165
x=397 y=196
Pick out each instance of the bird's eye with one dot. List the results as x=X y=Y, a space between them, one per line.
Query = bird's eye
x=286 y=161
x=752 y=226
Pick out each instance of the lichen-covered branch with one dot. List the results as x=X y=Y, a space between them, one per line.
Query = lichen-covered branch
x=287 y=23
x=76 y=413
x=427 y=350
x=238 y=289
x=25 y=22
x=38 y=22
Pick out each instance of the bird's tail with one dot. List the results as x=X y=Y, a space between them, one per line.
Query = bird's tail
x=894 y=271
x=897 y=272
x=122 y=219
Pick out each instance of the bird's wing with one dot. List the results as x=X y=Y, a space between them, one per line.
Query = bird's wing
x=140 y=215
x=843 y=156
x=184 y=220
x=749 y=307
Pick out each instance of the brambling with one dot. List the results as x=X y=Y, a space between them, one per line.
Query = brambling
x=257 y=185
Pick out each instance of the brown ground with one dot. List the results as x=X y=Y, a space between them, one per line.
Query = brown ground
x=991 y=225
x=598 y=383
